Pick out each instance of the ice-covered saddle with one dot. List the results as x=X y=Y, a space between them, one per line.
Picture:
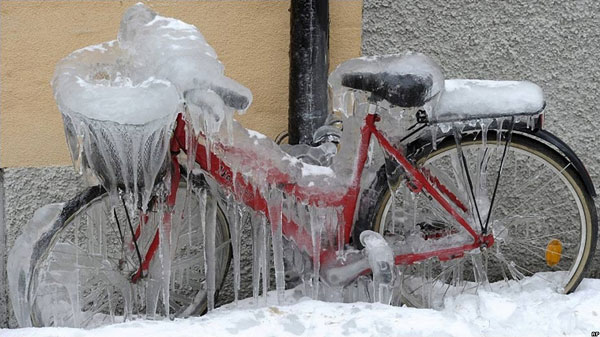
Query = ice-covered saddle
x=405 y=80
x=405 y=90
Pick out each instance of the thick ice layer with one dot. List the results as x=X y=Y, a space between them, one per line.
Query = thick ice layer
x=98 y=83
x=476 y=99
x=23 y=254
x=176 y=51
x=255 y=156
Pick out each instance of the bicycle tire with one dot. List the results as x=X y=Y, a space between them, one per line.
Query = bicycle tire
x=101 y=273
x=514 y=259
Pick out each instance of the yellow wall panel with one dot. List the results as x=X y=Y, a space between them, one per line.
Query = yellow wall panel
x=250 y=37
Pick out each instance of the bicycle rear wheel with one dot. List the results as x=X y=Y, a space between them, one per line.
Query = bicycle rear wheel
x=82 y=275
x=544 y=220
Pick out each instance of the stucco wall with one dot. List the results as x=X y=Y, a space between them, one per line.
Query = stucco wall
x=554 y=44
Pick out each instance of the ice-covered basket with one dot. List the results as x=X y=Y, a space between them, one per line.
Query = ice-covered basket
x=119 y=99
x=117 y=121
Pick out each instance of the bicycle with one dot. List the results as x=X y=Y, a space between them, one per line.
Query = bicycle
x=412 y=222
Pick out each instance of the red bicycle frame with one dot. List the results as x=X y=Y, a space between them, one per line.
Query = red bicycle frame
x=248 y=194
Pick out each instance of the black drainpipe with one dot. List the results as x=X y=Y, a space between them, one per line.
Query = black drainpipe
x=309 y=64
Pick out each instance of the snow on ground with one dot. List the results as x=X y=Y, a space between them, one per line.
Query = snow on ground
x=532 y=309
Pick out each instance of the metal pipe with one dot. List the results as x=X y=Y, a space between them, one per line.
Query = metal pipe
x=309 y=64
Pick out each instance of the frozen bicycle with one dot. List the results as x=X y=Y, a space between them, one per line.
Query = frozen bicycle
x=449 y=185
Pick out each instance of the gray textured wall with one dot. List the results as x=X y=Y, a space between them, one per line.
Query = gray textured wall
x=554 y=44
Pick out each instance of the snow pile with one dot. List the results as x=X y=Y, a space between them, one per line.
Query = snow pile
x=530 y=310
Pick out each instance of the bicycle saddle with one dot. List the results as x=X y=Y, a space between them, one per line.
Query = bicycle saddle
x=406 y=80
x=404 y=90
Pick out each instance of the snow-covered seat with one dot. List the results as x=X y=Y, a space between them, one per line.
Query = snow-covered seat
x=476 y=99
x=406 y=80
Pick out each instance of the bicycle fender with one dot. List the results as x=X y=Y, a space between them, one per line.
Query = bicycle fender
x=565 y=150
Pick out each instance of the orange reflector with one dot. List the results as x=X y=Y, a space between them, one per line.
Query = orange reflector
x=553 y=252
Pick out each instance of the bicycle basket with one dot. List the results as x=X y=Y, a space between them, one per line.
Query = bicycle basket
x=117 y=126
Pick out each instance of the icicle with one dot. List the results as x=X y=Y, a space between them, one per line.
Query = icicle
x=229 y=124
x=165 y=228
x=153 y=279
x=330 y=226
x=499 y=123
x=265 y=257
x=479 y=272
x=370 y=153
x=428 y=286
x=482 y=163
x=191 y=143
x=316 y=226
x=75 y=292
x=235 y=214
x=207 y=149
x=202 y=210
x=275 y=204
x=434 y=131
x=484 y=131
x=209 y=249
x=341 y=232
x=256 y=264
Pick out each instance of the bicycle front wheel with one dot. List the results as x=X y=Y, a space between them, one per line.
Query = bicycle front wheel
x=543 y=219
x=83 y=272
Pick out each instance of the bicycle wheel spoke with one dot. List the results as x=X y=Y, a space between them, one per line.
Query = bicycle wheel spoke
x=551 y=235
x=537 y=192
x=527 y=245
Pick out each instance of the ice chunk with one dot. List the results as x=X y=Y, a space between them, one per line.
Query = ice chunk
x=176 y=51
x=476 y=99
x=381 y=260
x=19 y=264
x=167 y=47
